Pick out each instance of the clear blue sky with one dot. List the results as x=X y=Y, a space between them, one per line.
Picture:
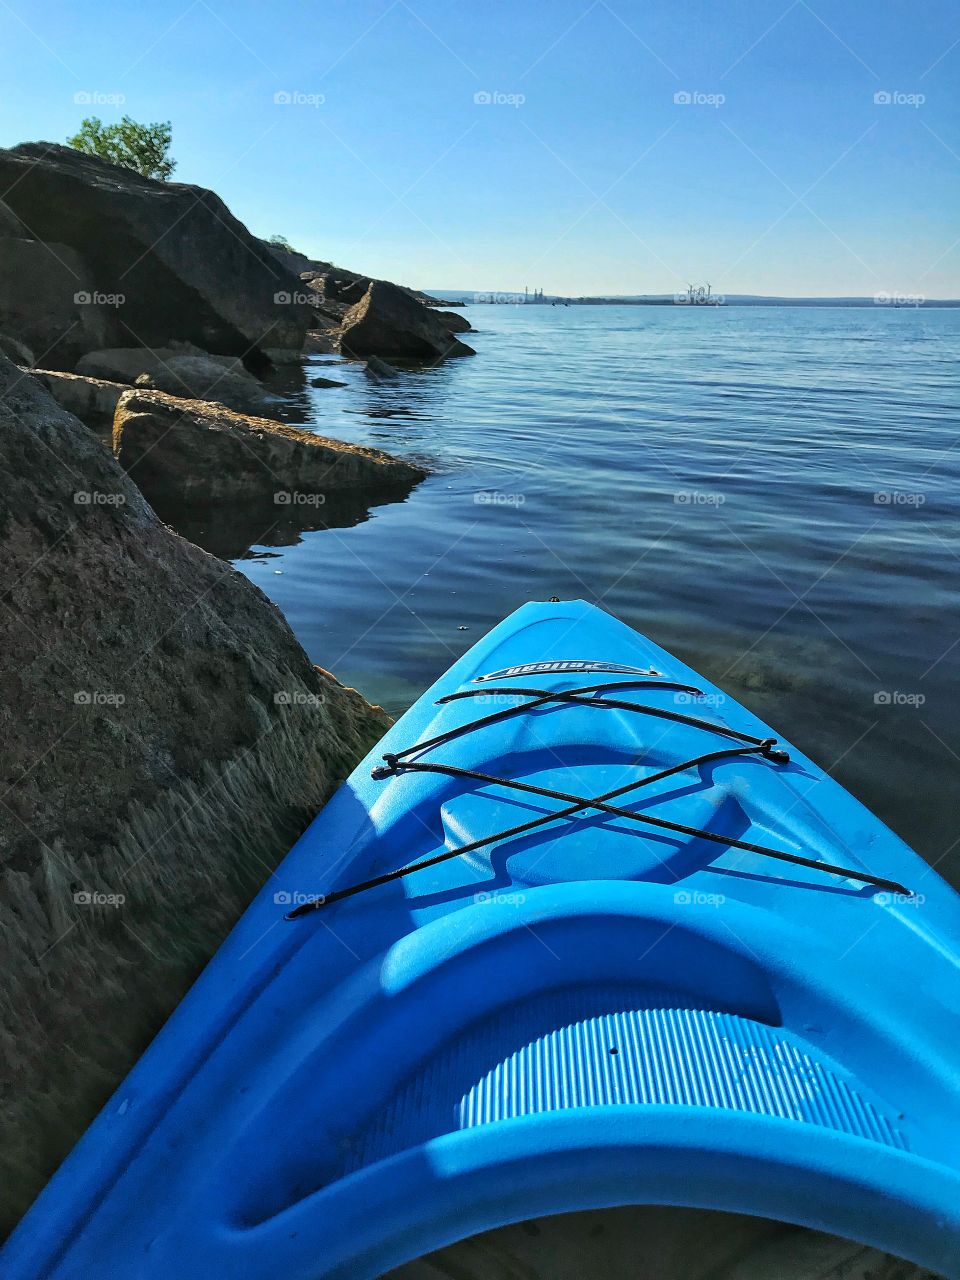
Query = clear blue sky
x=797 y=182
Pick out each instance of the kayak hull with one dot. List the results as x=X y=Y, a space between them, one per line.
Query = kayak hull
x=594 y=1013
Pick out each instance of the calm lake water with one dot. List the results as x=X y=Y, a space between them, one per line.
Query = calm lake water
x=770 y=493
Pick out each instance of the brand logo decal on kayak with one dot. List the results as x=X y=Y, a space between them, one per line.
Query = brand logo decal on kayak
x=564 y=665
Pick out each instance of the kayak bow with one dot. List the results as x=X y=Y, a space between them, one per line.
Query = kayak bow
x=601 y=944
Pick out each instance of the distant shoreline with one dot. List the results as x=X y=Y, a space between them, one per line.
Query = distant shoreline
x=885 y=302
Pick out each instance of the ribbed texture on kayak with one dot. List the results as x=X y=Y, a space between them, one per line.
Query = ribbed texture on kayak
x=631 y=1057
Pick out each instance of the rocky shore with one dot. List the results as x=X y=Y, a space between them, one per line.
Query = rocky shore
x=95 y=258
x=196 y=450
x=110 y=281
x=166 y=739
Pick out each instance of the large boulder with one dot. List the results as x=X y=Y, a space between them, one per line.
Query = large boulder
x=16 y=351
x=10 y=224
x=455 y=322
x=196 y=450
x=92 y=400
x=184 y=266
x=336 y=281
x=329 y=306
x=189 y=373
x=292 y=259
x=165 y=739
x=387 y=321
x=346 y=292
x=48 y=300
x=319 y=342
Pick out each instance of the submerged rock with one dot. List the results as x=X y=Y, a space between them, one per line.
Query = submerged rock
x=326 y=382
x=182 y=264
x=387 y=321
x=194 y=449
x=180 y=371
x=165 y=740
x=380 y=371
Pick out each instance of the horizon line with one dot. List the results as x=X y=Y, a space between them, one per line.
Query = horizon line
x=892 y=299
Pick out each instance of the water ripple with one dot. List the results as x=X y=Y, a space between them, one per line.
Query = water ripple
x=771 y=493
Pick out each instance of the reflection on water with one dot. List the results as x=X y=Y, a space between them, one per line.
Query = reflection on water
x=230 y=530
x=770 y=493
x=404 y=412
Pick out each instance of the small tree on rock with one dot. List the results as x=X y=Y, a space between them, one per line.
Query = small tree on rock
x=142 y=147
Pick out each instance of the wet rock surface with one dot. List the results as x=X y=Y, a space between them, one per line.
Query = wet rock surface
x=380 y=370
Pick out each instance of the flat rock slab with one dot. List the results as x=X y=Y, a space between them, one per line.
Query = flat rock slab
x=198 y=449
x=92 y=400
x=180 y=371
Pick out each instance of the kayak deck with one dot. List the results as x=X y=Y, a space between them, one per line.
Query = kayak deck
x=596 y=1011
x=558 y=1052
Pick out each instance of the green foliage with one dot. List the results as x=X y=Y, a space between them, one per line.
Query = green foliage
x=142 y=147
x=281 y=242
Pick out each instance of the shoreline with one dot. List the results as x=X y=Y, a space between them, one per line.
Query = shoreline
x=169 y=739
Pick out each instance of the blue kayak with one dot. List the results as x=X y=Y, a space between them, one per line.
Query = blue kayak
x=580 y=933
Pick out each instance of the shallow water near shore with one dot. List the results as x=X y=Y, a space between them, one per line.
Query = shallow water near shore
x=770 y=493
